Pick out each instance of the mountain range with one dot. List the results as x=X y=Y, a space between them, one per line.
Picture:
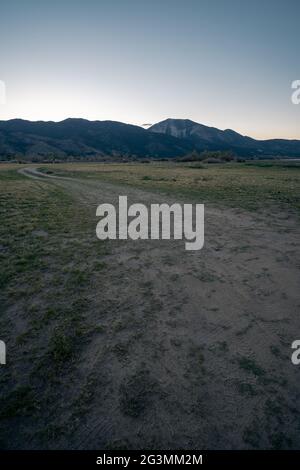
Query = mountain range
x=80 y=138
x=210 y=138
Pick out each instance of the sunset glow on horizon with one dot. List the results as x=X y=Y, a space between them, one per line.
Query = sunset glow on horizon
x=139 y=63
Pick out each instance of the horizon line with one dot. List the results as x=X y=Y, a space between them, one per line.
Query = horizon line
x=141 y=126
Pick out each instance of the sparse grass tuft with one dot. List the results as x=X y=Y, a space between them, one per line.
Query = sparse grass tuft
x=250 y=365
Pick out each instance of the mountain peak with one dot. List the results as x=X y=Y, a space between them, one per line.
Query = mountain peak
x=81 y=138
x=210 y=138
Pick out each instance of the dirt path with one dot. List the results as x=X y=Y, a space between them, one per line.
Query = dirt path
x=195 y=351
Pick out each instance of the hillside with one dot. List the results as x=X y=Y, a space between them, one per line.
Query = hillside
x=94 y=140
x=82 y=138
x=203 y=137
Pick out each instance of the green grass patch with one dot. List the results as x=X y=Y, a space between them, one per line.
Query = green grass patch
x=250 y=185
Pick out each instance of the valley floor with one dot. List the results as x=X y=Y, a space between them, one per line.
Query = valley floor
x=141 y=344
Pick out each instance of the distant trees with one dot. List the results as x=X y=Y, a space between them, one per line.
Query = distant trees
x=217 y=156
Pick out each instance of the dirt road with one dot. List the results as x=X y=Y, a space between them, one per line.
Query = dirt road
x=195 y=347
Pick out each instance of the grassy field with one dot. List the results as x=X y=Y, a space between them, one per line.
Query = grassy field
x=246 y=185
x=139 y=344
x=48 y=260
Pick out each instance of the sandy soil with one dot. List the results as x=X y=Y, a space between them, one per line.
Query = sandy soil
x=196 y=346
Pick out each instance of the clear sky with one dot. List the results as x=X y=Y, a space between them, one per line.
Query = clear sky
x=224 y=63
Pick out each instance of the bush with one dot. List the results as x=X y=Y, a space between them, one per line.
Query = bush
x=216 y=156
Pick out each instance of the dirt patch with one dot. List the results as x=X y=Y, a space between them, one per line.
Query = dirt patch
x=165 y=348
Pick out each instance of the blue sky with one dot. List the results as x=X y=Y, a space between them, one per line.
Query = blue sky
x=228 y=64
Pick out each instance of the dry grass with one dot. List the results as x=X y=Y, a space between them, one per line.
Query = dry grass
x=246 y=185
